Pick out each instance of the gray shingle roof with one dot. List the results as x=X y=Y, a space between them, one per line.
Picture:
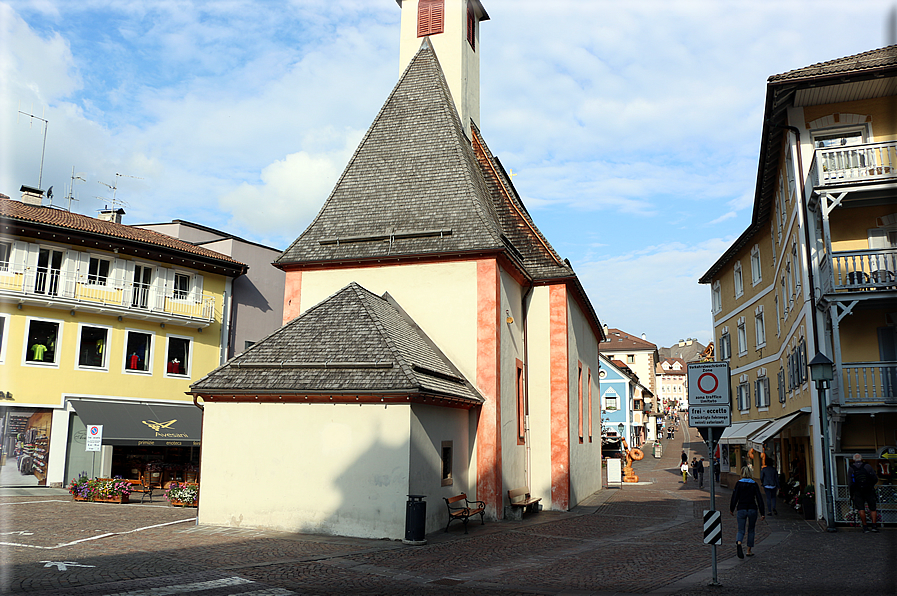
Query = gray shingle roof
x=352 y=343
x=413 y=185
x=866 y=61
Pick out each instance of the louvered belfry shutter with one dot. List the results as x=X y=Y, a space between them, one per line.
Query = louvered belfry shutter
x=430 y=17
x=471 y=28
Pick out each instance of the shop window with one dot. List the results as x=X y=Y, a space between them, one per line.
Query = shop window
x=92 y=347
x=177 y=361
x=447 y=457
x=41 y=342
x=138 y=352
x=181 y=286
x=430 y=17
x=3 y=328
x=98 y=271
x=521 y=405
x=739 y=281
x=5 y=251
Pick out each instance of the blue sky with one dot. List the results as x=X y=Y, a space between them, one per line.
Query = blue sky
x=633 y=128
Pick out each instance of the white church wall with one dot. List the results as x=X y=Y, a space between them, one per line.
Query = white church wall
x=539 y=393
x=315 y=468
x=513 y=456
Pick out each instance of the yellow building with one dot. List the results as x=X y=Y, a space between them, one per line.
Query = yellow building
x=102 y=324
x=814 y=273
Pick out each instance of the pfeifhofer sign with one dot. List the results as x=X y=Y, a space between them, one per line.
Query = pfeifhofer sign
x=94 y=437
x=708 y=383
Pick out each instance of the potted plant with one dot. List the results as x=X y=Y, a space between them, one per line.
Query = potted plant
x=183 y=495
x=104 y=490
x=808 y=502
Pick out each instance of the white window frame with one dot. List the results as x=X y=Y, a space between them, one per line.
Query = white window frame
x=716 y=297
x=743 y=392
x=94 y=279
x=178 y=294
x=756 y=270
x=152 y=351
x=739 y=279
x=57 y=353
x=761 y=393
x=778 y=316
x=4 y=263
x=610 y=394
x=104 y=367
x=759 y=327
x=742 y=337
x=187 y=364
x=796 y=268
x=725 y=345
x=4 y=336
x=789 y=170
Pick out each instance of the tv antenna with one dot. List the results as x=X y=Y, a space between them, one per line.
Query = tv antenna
x=114 y=187
x=70 y=196
x=43 y=150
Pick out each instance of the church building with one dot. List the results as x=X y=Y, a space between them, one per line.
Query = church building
x=434 y=343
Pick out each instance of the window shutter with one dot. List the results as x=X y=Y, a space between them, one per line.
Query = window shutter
x=69 y=268
x=430 y=17
x=196 y=288
x=471 y=27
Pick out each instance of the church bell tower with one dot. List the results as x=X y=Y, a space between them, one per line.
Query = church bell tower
x=453 y=27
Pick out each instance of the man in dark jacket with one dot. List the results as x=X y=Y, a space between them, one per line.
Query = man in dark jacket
x=861 y=479
x=747 y=500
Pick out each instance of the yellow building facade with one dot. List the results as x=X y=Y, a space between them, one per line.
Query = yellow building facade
x=102 y=325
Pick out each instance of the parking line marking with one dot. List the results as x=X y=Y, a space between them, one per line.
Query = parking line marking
x=180 y=521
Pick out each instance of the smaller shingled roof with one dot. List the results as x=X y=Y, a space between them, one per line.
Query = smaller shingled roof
x=620 y=340
x=353 y=343
x=17 y=211
x=865 y=61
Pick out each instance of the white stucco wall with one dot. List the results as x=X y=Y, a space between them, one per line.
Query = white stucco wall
x=539 y=394
x=513 y=456
x=585 y=457
x=440 y=297
x=324 y=469
x=430 y=426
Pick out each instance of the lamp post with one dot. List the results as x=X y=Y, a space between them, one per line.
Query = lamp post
x=821 y=372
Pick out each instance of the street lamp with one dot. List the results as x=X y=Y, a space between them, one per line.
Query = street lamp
x=821 y=372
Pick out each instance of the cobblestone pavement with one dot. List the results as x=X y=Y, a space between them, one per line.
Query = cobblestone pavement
x=639 y=539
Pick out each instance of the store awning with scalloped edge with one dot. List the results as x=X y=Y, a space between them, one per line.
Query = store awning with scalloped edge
x=142 y=424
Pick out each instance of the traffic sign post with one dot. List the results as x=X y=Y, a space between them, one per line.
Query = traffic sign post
x=710 y=411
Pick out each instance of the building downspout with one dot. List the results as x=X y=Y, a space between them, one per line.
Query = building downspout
x=527 y=472
x=828 y=483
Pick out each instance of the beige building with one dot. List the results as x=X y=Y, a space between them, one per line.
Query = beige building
x=814 y=273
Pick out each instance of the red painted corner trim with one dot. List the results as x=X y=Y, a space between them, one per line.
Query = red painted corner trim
x=560 y=398
x=489 y=383
x=292 y=294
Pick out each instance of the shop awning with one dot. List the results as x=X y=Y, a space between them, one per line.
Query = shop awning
x=159 y=425
x=737 y=434
x=759 y=437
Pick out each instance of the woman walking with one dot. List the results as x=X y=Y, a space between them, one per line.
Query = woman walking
x=746 y=499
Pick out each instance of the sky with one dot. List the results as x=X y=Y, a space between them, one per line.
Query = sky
x=632 y=128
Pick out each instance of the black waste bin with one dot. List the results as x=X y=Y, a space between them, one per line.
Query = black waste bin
x=415 y=520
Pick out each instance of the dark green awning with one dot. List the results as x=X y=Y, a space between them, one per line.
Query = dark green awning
x=159 y=425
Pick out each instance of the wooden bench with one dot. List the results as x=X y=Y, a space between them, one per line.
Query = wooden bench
x=521 y=501
x=463 y=512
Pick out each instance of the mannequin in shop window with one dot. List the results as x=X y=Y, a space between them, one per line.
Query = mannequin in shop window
x=134 y=361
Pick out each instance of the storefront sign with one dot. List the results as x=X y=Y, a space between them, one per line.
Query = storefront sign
x=94 y=437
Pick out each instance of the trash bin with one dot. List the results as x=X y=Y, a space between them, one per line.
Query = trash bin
x=658 y=449
x=415 y=520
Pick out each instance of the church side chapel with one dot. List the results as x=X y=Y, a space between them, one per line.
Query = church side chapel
x=434 y=343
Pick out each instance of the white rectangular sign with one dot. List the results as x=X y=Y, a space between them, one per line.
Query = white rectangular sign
x=614 y=471
x=708 y=383
x=94 y=437
x=709 y=416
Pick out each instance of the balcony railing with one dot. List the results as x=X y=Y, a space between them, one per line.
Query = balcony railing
x=859 y=270
x=73 y=289
x=868 y=383
x=857 y=163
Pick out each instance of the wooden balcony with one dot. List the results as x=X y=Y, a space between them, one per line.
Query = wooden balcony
x=859 y=271
x=56 y=289
x=870 y=162
x=868 y=383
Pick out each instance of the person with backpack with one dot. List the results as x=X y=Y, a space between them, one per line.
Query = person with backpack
x=861 y=479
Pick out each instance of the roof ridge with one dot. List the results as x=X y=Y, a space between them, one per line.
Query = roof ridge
x=868 y=55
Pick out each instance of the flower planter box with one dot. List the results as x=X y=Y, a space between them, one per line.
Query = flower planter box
x=119 y=499
x=177 y=503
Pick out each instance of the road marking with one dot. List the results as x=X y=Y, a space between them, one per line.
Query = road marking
x=207 y=585
x=19 y=532
x=32 y=502
x=63 y=565
x=180 y=521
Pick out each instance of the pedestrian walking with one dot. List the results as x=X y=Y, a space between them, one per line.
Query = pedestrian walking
x=694 y=468
x=684 y=457
x=769 y=478
x=861 y=480
x=747 y=501
x=684 y=468
x=700 y=470
x=716 y=469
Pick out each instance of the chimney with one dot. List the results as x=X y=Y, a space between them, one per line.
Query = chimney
x=113 y=215
x=605 y=331
x=32 y=196
x=644 y=337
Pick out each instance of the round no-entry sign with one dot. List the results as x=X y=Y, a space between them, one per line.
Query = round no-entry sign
x=707 y=382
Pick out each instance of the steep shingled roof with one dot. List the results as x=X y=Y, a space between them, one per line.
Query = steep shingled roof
x=352 y=343
x=413 y=186
x=865 y=61
x=18 y=212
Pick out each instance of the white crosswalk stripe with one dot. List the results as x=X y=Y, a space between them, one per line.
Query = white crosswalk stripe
x=206 y=585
